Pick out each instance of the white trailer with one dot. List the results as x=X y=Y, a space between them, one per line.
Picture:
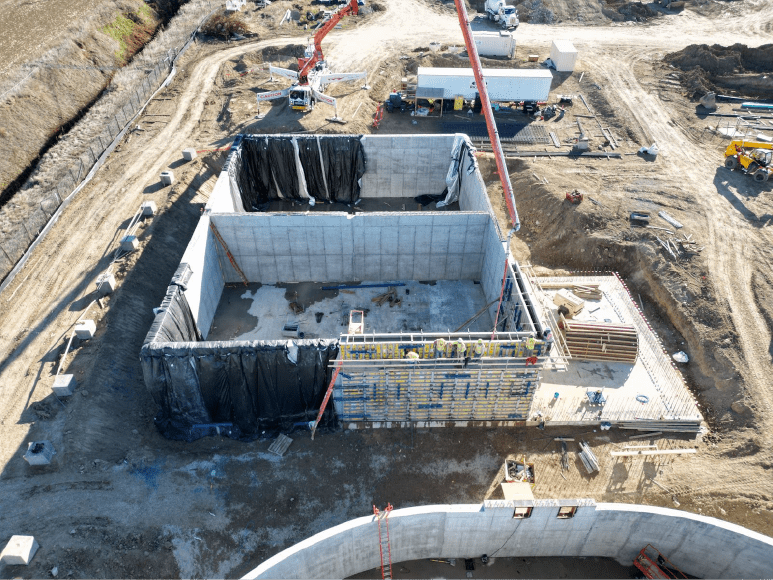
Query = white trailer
x=564 y=55
x=503 y=84
x=489 y=43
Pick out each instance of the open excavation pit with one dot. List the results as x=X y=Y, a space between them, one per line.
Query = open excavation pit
x=416 y=311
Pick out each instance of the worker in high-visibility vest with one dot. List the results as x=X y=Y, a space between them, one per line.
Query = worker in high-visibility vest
x=479 y=346
x=412 y=355
x=440 y=348
x=461 y=348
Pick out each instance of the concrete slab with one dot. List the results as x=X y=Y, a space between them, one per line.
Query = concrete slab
x=259 y=312
x=661 y=391
x=19 y=551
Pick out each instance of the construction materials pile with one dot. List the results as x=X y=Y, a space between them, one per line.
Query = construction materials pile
x=600 y=341
x=588 y=458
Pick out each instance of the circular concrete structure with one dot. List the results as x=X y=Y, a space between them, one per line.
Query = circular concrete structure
x=698 y=545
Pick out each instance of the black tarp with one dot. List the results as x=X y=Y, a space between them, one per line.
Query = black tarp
x=268 y=170
x=252 y=386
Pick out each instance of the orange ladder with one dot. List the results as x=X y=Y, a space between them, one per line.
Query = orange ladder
x=384 y=546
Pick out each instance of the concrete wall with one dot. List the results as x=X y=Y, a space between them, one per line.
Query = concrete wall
x=701 y=546
x=472 y=194
x=337 y=247
x=205 y=285
x=405 y=165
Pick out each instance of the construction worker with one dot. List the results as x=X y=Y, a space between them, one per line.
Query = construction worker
x=440 y=348
x=479 y=346
x=461 y=348
x=412 y=355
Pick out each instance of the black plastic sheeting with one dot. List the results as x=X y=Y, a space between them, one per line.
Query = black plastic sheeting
x=332 y=167
x=239 y=389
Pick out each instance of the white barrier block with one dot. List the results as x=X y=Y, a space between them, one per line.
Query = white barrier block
x=64 y=385
x=19 y=550
x=85 y=329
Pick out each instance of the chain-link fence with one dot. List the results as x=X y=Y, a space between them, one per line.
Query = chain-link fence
x=20 y=238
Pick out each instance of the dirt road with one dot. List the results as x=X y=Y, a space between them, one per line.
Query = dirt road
x=117 y=475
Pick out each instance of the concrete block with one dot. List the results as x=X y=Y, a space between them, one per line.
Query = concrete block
x=19 y=551
x=189 y=154
x=148 y=208
x=167 y=177
x=129 y=243
x=85 y=329
x=105 y=284
x=64 y=385
x=39 y=452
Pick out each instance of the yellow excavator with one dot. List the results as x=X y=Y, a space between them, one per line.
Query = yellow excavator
x=754 y=157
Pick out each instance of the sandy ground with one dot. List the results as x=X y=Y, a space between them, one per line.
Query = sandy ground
x=121 y=501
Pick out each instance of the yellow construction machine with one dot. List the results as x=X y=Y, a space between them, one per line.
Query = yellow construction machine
x=754 y=157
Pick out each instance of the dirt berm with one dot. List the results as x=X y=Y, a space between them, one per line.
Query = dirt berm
x=733 y=68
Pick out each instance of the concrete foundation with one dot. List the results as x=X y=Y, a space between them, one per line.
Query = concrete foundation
x=85 y=329
x=19 y=551
x=189 y=154
x=167 y=177
x=698 y=545
x=64 y=385
x=39 y=453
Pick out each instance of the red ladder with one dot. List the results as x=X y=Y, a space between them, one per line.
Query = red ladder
x=383 y=541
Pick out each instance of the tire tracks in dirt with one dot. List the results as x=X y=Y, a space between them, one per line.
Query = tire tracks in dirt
x=728 y=234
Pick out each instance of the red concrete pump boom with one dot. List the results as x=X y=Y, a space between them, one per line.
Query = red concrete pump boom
x=306 y=65
x=493 y=134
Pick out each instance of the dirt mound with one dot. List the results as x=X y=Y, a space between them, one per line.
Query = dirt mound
x=723 y=60
x=735 y=68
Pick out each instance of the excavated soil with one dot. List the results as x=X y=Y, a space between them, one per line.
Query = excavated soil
x=737 y=69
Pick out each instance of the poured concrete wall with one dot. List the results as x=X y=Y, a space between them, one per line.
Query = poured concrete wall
x=701 y=546
x=336 y=247
x=405 y=165
x=205 y=285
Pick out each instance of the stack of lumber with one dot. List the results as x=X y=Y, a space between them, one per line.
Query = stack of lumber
x=600 y=341
x=585 y=291
x=588 y=458
x=667 y=425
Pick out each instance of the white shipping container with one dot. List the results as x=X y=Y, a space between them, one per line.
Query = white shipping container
x=503 y=85
x=493 y=43
x=564 y=55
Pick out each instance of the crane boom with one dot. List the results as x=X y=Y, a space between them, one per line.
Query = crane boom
x=491 y=126
x=306 y=65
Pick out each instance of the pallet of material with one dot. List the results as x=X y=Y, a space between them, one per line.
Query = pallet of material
x=600 y=341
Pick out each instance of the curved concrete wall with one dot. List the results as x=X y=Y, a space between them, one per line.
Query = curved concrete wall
x=701 y=546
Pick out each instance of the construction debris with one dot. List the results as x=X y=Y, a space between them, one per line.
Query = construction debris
x=670 y=219
x=280 y=445
x=588 y=458
x=389 y=296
